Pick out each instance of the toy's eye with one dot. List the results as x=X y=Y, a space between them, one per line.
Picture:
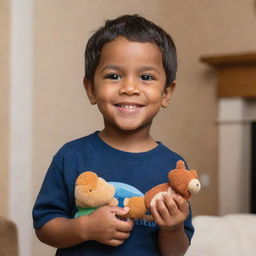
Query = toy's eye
x=90 y=190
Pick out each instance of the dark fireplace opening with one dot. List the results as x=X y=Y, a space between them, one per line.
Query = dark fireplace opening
x=253 y=168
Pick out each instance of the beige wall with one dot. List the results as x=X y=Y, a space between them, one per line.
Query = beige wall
x=4 y=107
x=61 y=111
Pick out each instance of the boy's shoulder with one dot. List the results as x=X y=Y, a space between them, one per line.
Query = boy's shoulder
x=172 y=154
x=77 y=145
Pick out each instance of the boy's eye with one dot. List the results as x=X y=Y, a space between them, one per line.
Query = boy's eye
x=147 y=77
x=113 y=77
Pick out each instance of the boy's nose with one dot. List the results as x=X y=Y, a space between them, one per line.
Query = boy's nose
x=130 y=87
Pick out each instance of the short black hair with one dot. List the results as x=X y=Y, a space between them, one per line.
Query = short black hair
x=134 y=28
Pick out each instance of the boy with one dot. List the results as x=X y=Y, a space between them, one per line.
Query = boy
x=130 y=68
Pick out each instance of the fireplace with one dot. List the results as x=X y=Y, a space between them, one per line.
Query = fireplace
x=253 y=168
x=237 y=131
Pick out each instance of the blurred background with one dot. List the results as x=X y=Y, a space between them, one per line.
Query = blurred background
x=43 y=103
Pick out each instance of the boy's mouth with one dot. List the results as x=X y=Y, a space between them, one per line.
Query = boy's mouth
x=128 y=105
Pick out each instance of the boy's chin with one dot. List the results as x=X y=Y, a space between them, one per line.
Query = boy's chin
x=127 y=126
x=133 y=127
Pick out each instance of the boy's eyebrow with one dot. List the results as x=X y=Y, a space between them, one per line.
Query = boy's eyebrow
x=149 y=68
x=111 y=66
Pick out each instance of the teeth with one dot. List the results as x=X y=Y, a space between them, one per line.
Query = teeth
x=129 y=106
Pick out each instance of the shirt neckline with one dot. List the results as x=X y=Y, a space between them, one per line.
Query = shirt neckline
x=104 y=147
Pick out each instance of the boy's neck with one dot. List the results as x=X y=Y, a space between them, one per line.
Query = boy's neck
x=129 y=141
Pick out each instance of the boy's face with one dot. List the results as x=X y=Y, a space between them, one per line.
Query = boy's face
x=129 y=84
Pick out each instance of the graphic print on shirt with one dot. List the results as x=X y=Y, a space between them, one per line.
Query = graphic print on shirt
x=122 y=191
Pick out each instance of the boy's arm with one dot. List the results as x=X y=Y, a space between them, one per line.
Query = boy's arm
x=170 y=214
x=62 y=232
x=102 y=226
x=173 y=242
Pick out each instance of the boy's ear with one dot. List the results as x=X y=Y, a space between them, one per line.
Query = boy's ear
x=89 y=88
x=168 y=91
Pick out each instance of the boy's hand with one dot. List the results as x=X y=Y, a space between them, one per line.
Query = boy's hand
x=170 y=212
x=106 y=228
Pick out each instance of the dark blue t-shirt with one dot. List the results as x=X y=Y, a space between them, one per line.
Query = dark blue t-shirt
x=130 y=172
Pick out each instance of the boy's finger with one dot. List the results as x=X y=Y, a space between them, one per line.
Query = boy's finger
x=124 y=226
x=181 y=203
x=115 y=242
x=119 y=211
x=121 y=235
x=171 y=205
x=155 y=213
x=162 y=209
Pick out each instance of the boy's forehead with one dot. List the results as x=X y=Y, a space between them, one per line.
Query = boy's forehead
x=122 y=41
x=122 y=50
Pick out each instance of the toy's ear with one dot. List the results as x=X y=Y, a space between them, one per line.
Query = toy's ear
x=87 y=178
x=194 y=174
x=90 y=90
x=180 y=165
x=168 y=91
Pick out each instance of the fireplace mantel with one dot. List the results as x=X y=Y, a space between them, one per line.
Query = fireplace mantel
x=236 y=72
x=237 y=109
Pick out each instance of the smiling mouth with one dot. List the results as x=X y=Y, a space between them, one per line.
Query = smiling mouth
x=128 y=106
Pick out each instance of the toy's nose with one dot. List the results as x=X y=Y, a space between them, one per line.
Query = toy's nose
x=194 y=186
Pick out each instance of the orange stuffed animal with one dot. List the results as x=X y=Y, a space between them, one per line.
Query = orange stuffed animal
x=181 y=181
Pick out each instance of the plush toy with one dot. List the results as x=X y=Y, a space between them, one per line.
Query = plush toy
x=181 y=181
x=92 y=192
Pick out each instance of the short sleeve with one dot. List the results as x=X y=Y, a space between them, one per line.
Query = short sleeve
x=189 y=229
x=52 y=200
